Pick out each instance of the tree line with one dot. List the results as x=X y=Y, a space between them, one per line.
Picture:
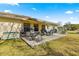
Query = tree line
x=71 y=27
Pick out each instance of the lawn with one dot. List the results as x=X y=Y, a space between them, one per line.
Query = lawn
x=68 y=45
x=73 y=32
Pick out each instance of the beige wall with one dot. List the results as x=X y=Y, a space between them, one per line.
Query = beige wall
x=9 y=27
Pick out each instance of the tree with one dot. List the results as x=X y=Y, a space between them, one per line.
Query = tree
x=67 y=26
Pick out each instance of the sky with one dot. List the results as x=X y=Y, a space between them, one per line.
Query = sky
x=52 y=12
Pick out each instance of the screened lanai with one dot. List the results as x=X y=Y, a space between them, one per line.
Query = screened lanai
x=13 y=26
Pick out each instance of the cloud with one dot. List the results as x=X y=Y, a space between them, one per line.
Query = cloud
x=34 y=9
x=71 y=18
x=13 y=4
x=47 y=17
x=76 y=10
x=8 y=11
x=69 y=12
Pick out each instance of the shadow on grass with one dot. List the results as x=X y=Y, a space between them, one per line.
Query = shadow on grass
x=50 y=51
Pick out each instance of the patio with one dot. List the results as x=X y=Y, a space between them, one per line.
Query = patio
x=45 y=38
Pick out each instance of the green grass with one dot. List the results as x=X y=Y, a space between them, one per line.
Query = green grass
x=68 y=45
x=73 y=32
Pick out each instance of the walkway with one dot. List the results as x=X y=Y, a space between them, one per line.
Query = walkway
x=45 y=39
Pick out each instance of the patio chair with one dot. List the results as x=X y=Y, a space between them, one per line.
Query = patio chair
x=28 y=36
x=38 y=38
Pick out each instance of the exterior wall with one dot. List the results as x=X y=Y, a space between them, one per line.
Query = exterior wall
x=9 y=30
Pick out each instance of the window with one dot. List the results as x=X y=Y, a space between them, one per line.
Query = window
x=36 y=27
x=26 y=27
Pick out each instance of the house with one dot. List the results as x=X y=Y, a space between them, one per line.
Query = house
x=11 y=25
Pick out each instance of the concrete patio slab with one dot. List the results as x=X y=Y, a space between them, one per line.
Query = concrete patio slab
x=44 y=39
